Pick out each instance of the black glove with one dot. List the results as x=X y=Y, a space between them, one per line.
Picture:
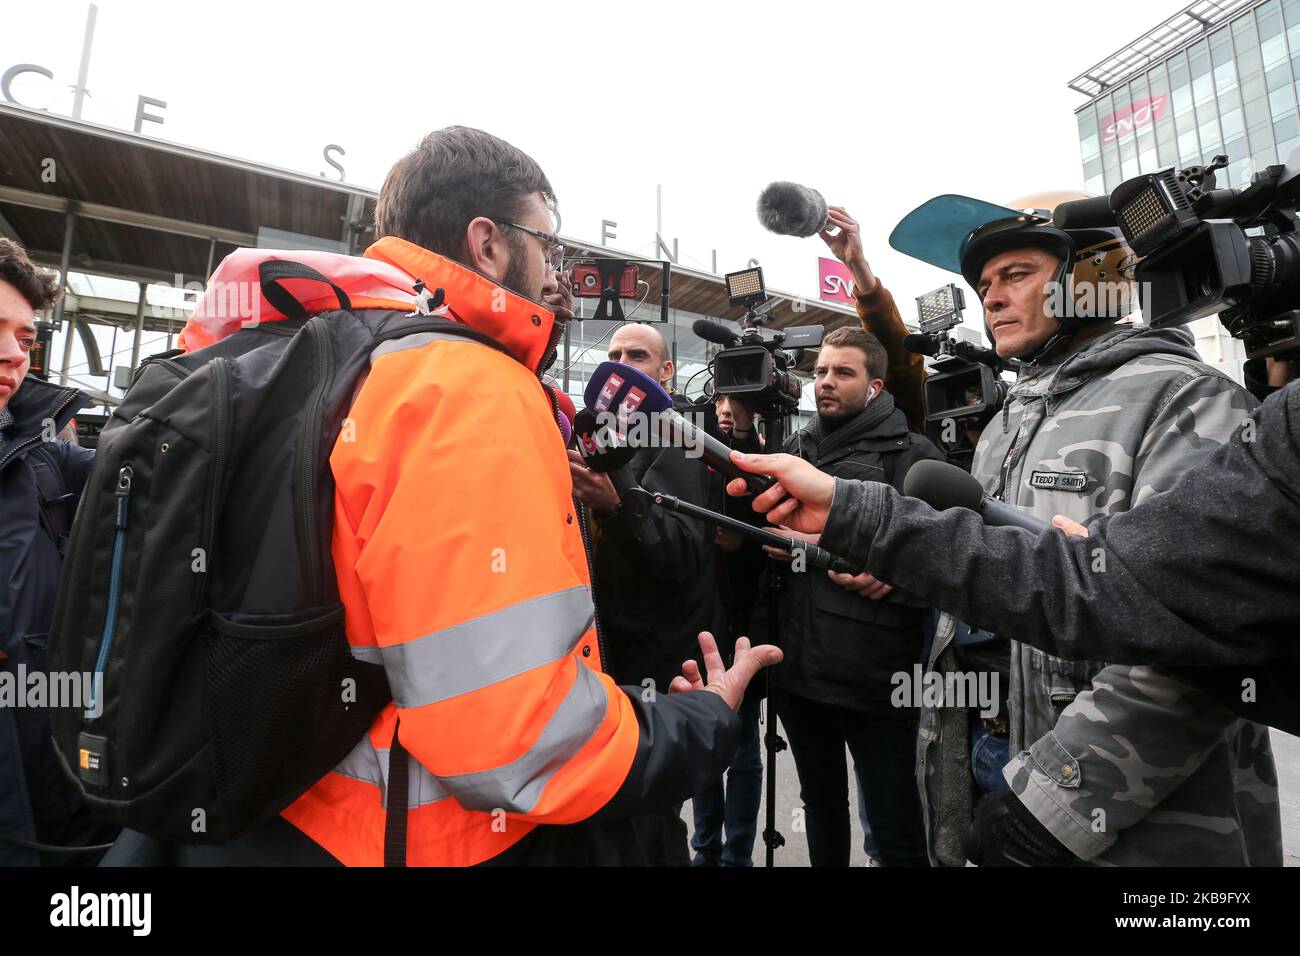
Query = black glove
x=1005 y=833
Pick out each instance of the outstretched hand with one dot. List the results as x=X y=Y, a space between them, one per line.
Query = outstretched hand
x=729 y=683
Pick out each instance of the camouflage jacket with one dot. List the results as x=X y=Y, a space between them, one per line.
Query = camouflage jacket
x=1124 y=765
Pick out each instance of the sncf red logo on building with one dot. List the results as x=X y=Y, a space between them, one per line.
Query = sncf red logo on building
x=1126 y=121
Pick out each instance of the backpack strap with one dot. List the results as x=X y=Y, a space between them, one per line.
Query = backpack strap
x=395 y=818
x=434 y=326
x=274 y=271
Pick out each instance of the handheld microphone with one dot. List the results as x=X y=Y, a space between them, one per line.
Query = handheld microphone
x=621 y=389
x=568 y=412
x=943 y=486
x=605 y=453
x=715 y=332
x=1094 y=213
x=789 y=209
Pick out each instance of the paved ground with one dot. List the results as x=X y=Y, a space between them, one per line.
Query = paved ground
x=1286 y=751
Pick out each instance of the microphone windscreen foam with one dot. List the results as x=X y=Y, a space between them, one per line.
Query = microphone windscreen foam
x=789 y=209
x=942 y=486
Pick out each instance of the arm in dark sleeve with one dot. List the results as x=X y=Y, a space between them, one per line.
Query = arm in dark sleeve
x=681 y=551
x=76 y=465
x=687 y=741
x=879 y=316
x=1201 y=574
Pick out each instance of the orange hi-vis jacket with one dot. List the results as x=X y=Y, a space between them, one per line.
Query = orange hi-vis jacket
x=461 y=567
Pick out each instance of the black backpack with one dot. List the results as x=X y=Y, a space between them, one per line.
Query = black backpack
x=199 y=583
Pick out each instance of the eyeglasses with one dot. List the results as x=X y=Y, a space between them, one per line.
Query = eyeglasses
x=554 y=248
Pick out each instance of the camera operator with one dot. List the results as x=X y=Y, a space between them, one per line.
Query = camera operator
x=653 y=600
x=1103 y=416
x=726 y=814
x=843 y=646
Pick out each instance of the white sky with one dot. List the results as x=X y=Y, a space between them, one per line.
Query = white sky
x=878 y=106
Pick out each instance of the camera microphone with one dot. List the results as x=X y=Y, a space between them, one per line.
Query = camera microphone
x=789 y=209
x=1094 y=213
x=715 y=332
x=943 y=486
x=620 y=389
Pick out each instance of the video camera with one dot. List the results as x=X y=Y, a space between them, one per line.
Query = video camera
x=1198 y=256
x=966 y=387
x=755 y=368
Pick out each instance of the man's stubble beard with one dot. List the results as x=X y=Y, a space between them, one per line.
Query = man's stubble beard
x=516 y=277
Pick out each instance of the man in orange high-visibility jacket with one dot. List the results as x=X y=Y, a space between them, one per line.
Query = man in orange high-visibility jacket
x=461 y=563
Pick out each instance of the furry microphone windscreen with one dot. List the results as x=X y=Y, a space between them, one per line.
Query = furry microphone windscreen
x=789 y=209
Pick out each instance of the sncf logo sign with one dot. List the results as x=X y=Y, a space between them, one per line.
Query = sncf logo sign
x=1127 y=120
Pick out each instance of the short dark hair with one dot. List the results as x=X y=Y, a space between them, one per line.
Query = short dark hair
x=38 y=287
x=455 y=175
x=848 y=336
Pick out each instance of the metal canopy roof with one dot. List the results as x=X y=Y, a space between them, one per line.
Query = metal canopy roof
x=149 y=211
x=1185 y=26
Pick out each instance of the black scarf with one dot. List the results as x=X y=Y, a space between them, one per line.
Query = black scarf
x=863 y=423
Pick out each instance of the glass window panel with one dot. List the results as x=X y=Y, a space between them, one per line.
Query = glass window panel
x=1236 y=150
x=1277 y=77
x=1198 y=59
x=1249 y=62
x=1281 y=102
x=1261 y=144
x=1087 y=119
x=1159 y=81
x=1241 y=171
x=1168 y=155
x=1225 y=78
x=1203 y=89
x=1147 y=162
x=1220 y=46
x=1284 y=150
x=1129 y=167
x=1187 y=121
x=1178 y=70
x=1209 y=131
x=1273 y=51
x=1286 y=128
x=1095 y=185
x=1092 y=167
x=1089 y=147
x=1188 y=145
x=1243 y=30
x=1268 y=21
x=1233 y=124
x=1165 y=130
x=1256 y=112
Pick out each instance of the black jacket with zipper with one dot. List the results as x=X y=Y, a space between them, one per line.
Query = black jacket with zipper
x=843 y=649
x=40 y=483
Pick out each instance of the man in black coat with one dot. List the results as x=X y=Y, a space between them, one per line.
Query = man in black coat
x=654 y=578
x=844 y=648
x=40 y=483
